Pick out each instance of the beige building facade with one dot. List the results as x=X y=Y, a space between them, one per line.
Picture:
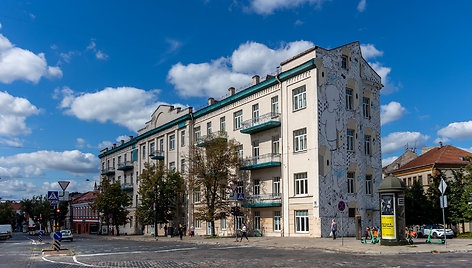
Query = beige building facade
x=310 y=137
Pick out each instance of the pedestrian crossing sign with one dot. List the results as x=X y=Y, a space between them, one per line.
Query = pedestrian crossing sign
x=53 y=195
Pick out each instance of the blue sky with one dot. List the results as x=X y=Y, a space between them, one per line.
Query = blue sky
x=77 y=75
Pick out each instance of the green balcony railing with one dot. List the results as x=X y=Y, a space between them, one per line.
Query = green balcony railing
x=204 y=140
x=108 y=171
x=263 y=200
x=159 y=155
x=125 y=165
x=127 y=186
x=261 y=161
x=261 y=123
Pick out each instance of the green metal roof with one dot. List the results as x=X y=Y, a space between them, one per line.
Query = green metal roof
x=260 y=127
x=261 y=165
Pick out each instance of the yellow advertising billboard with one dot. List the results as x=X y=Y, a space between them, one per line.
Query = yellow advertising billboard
x=388 y=227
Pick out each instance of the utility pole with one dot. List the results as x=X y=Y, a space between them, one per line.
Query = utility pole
x=155 y=220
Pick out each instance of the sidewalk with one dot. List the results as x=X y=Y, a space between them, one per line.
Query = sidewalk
x=351 y=245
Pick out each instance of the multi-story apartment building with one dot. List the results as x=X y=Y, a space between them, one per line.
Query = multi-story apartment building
x=85 y=218
x=310 y=137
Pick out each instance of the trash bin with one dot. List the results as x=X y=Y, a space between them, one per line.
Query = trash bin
x=358 y=227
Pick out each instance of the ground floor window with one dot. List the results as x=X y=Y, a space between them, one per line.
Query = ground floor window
x=301 y=221
x=198 y=224
x=239 y=222
x=277 y=221
x=257 y=220
x=223 y=224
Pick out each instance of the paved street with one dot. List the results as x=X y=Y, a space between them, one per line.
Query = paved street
x=93 y=251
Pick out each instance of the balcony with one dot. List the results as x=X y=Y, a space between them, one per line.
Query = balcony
x=204 y=140
x=108 y=171
x=263 y=201
x=261 y=161
x=125 y=165
x=127 y=187
x=159 y=155
x=261 y=123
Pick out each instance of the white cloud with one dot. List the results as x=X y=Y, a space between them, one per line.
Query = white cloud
x=14 y=142
x=127 y=106
x=388 y=160
x=441 y=139
x=457 y=130
x=369 y=51
x=21 y=64
x=215 y=77
x=74 y=162
x=13 y=114
x=391 y=112
x=398 y=140
x=122 y=138
x=361 y=6
x=267 y=7
x=99 y=54
x=467 y=149
x=105 y=144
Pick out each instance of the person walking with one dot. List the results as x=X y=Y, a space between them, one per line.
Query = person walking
x=244 y=233
x=334 y=228
x=165 y=230
x=181 y=231
x=192 y=230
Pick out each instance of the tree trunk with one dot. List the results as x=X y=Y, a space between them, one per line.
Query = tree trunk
x=117 y=230
x=213 y=228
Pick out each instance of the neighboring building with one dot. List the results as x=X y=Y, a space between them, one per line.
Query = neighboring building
x=85 y=219
x=433 y=159
x=310 y=137
x=406 y=157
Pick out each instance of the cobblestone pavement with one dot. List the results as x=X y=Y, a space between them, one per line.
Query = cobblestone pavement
x=100 y=252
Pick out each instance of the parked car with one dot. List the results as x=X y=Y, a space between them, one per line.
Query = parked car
x=67 y=235
x=436 y=232
x=5 y=231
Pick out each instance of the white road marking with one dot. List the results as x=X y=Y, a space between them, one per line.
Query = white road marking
x=133 y=252
x=45 y=259
x=232 y=247
x=81 y=263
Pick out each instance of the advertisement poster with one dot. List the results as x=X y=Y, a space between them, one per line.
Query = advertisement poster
x=388 y=217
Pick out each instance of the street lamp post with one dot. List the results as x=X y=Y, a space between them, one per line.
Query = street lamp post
x=155 y=220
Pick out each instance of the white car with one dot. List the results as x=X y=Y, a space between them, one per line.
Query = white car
x=5 y=231
x=67 y=235
x=436 y=231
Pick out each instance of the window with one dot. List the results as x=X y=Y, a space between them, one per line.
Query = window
x=301 y=184
x=275 y=144
x=255 y=149
x=196 y=132
x=208 y=128
x=366 y=107
x=420 y=179
x=137 y=178
x=172 y=165
x=240 y=151
x=144 y=154
x=108 y=163
x=255 y=113
x=161 y=145
x=223 y=124
x=274 y=107
x=119 y=160
x=348 y=99
x=299 y=98
x=239 y=222
x=137 y=200
x=182 y=138
x=152 y=149
x=131 y=222
x=238 y=119
x=196 y=196
x=352 y=212
x=277 y=223
x=131 y=177
x=301 y=221
x=172 y=142
x=350 y=140
x=126 y=157
x=257 y=220
x=182 y=166
x=409 y=182
x=239 y=187
x=368 y=184
x=257 y=187
x=276 y=186
x=223 y=223
x=113 y=163
x=299 y=140
x=430 y=179
x=198 y=224
x=344 y=62
x=350 y=182
x=367 y=147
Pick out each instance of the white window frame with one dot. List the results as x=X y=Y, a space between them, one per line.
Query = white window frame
x=182 y=166
x=255 y=149
x=367 y=145
x=299 y=98
x=368 y=185
x=209 y=130
x=198 y=224
x=255 y=113
x=275 y=144
x=240 y=151
x=274 y=105
x=277 y=221
x=301 y=184
x=239 y=222
x=349 y=99
x=276 y=186
x=238 y=119
x=257 y=220
x=161 y=145
x=223 y=124
x=171 y=142
x=196 y=196
x=302 y=224
x=351 y=182
x=172 y=165
x=350 y=140
x=197 y=133
x=223 y=223
x=344 y=60
x=257 y=187
x=240 y=187
x=366 y=107
x=182 y=138
x=300 y=140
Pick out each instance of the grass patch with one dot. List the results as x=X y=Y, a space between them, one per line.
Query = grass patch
x=411 y=246
x=212 y=237
x=464 y=235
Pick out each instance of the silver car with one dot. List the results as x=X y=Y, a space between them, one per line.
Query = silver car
x=67 y=235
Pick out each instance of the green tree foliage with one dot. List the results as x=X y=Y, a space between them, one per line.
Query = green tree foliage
x=416 y=205
x=35 y=207
x=212 y=167
x=433 y=194
x=7 y=214
x=466 y=197
x=112 y=202
x=161 y=187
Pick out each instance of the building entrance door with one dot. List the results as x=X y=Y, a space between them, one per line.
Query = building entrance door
x=209 y=228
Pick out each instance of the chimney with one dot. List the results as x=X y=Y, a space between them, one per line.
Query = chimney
x=122 y=142
x=440 y=144
x=114 y=146
x=255 y=79
x=211 y=101
x=131 y=138
x=231 y=91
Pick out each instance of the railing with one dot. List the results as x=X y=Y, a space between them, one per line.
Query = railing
x=260 y=198
x=127 y=186
x=261 y=119
x=127 y=164
x=260 y=159
x=211 y=136
x=156 y=154
x=108 y=170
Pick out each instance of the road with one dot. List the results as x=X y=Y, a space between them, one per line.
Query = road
x=98 y=252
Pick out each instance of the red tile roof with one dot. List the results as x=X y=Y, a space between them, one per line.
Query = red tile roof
x=16 y=206
x=86 y=197
x=447 y=154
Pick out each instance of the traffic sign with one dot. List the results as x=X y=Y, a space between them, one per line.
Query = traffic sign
x=57 y=235
x=53 y=195
x=64 y=184
x=240 y=197
x=443 y=201
x=442 y=186
x=341 y=206
x=54 y=202
x=233 y=187
x=40 y=232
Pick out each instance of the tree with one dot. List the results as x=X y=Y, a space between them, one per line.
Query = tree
x=416 y=205
x=433 y=194
x=466 y=197
x=37 y=207
x=7 y=214
x=161 y=187
x=212 y=167
x=112 y=202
